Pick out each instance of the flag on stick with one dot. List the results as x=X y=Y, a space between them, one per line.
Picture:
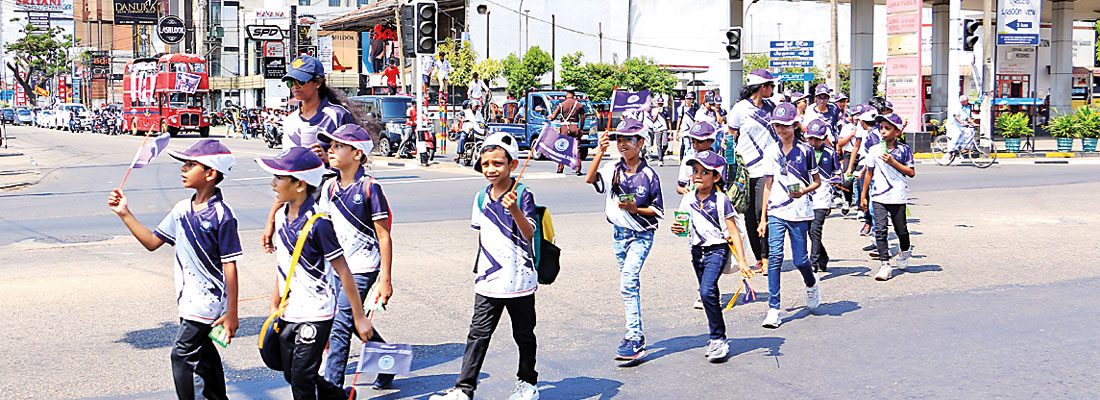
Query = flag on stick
x=149 y=151
x=629 y=101
x=562 y=149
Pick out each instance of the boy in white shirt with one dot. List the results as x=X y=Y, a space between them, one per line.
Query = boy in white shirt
x=888 y=167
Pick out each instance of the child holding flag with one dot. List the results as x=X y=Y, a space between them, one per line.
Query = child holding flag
x=203 y=231
x=504 y=216
x=712 y=223
x=361 y=219
x=888 y=167
x=793 y=174
x=633 y=206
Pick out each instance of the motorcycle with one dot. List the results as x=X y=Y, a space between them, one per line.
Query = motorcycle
x=76 y=125
x=475 y=136
x=422 y=144
x=273 y=136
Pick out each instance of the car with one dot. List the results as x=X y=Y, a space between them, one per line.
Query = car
x=24 y=116
x=8 y=115
x=390 y=111
x=45 y=118
x=67 y=111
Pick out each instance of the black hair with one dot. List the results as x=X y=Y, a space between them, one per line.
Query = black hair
x=492 y=147
x=372 y=125
x=749 y=90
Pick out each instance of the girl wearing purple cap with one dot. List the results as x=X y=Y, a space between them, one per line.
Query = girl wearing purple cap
x=753 y=134
x=823 y=109
x=792 y=176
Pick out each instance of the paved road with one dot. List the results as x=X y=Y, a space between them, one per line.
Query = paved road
x=1001 y=301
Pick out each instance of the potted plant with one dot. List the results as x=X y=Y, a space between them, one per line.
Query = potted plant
x=1013 y=126
x=1088 y=123
x=1064 y=129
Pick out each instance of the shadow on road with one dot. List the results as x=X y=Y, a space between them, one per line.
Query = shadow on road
x=413 y=387
x=916 y=269
x=669 y=346
x=746 y=345
x=835 y=272
x=580 y=388
x=165 y=334
x=833 y=309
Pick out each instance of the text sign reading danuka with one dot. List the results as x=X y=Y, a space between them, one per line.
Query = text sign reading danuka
x=136 y=12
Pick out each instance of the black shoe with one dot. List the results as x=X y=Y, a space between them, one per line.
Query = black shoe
x=870 y=247
x=873 y=254
x=383 y=382
x=579 y=173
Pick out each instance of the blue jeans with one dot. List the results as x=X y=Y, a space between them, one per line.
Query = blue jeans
x=797 y=230
x=339 y=340
x=631 y=249
x=708 y=262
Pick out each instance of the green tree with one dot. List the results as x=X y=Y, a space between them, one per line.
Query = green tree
x=489 y=70
x=523 y=73
x=598 y=80
x=461 y=56
x=40 y=51
x=754 y=61
x=537 y=62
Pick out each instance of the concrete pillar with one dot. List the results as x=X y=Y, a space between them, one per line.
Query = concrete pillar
x=940 y=34
x=737 y=16
x=863 y=30
x=1061 y=54
x=954 y=56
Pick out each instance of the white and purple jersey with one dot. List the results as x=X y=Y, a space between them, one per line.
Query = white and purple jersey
x=797 y=166
x=505 y=268
x=871 y=137
x=645 y=185
x=888 y=185
x=353 y=211
x=705 y=226
x=300 y=132
x=827 y=165
x=831 y=116
x=755 y=134
x=312 y=288
x=848 y=129
x=203 y=240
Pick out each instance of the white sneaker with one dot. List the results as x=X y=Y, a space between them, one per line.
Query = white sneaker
x=698 y=305
x=452 y=394
x=717 y=350
x=884 y=271
x=903 y=259
x=524 y=391
x=813 y=294
x=772 y=321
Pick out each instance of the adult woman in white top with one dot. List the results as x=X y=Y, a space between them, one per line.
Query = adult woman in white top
x=750 y=123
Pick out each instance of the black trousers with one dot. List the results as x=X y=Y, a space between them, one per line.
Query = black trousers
x=195 y=354
x=819 y=258
x=752 y=218
x=896 y=215
x=487 y=312
x=302 y=345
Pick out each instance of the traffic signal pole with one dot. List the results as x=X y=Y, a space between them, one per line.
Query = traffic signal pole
x=736 y=67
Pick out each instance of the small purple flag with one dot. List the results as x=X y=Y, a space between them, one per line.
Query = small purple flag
x=627 y=101
x=385 y=358
x=560 y=148
x=147 y=153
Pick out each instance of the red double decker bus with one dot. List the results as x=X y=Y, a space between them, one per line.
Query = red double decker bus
x=165 y=94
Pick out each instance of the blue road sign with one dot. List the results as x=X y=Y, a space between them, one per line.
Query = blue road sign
x=791 y=53
x=1018 y=22
x=796 y=77
x=1017 y=101
x=790 y=63
x=791 y=44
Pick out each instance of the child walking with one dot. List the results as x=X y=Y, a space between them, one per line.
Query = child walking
x=888 y=167
x=788 y=211
x=702 y=136
x=633 y=205
x=817 y=132
x=712 y=226
x=307 y=314
x=361 y=219
x=203 y=230
x=504 y=216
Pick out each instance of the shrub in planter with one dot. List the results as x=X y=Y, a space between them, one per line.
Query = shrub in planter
x=1064 y=128
x=1088 y=123
x=1012 y=126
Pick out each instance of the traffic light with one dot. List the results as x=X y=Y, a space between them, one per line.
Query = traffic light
x=970 y=33
x=408 y=31
x=733 y=43
x=425 y=26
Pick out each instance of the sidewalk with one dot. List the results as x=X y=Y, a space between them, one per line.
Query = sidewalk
x=16 y=169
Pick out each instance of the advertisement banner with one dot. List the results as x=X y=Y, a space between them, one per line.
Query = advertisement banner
x=101 y=65
x=187 y=82
x=324 y=52
x=903 y=49
x=136 y=12
x=345 y=52
x=58 y=9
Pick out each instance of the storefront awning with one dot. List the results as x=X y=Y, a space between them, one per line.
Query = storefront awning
x=382 y=12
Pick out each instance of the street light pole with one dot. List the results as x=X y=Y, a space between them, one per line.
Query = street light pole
x=484 y=10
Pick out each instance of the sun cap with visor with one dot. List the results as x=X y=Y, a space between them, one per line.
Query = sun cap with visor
x=785 y=114
x=628 y=127
x=710 y=160
x=821 y=89
x=702 y=130
x=352 y=135
x=305 y=69
x=817 y=129
x=502 y=139
x=869 y=114
x=208 y=152
x=893 y=119
x=298 y=162
x=759 y=76
x=798 y=96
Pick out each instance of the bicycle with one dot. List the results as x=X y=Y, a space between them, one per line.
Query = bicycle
x=981 y=151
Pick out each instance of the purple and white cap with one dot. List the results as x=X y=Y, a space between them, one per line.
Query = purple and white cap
x=821 y=89
x=759 y=76
x=710 y=160
x=817 y=129
x=840 y=96
x=298 y=162
x=352 y=135
x=702 y=130
x=868 y=114
x=628 y=127
x=798 y=96
x=208 y=152
x=888 y=105
x=785 y=114
x=893 y=119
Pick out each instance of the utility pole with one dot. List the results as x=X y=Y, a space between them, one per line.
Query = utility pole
x=736 y=67
x=834 y=50
x=553 y=48
x=601 y=42
x=987 y=69
x=629 y=26
x=189 y=27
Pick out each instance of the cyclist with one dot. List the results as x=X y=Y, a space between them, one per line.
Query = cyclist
x=961 y=130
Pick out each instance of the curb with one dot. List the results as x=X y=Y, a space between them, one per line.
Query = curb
x=1052 y=154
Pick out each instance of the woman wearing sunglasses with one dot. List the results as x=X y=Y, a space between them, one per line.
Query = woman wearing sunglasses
x=322 y=109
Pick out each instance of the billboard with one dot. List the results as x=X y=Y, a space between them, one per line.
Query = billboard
x=136 y=12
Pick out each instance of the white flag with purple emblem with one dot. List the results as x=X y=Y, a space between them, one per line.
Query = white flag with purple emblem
x=562 y=149
x=628 y=101
x=147 y=153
